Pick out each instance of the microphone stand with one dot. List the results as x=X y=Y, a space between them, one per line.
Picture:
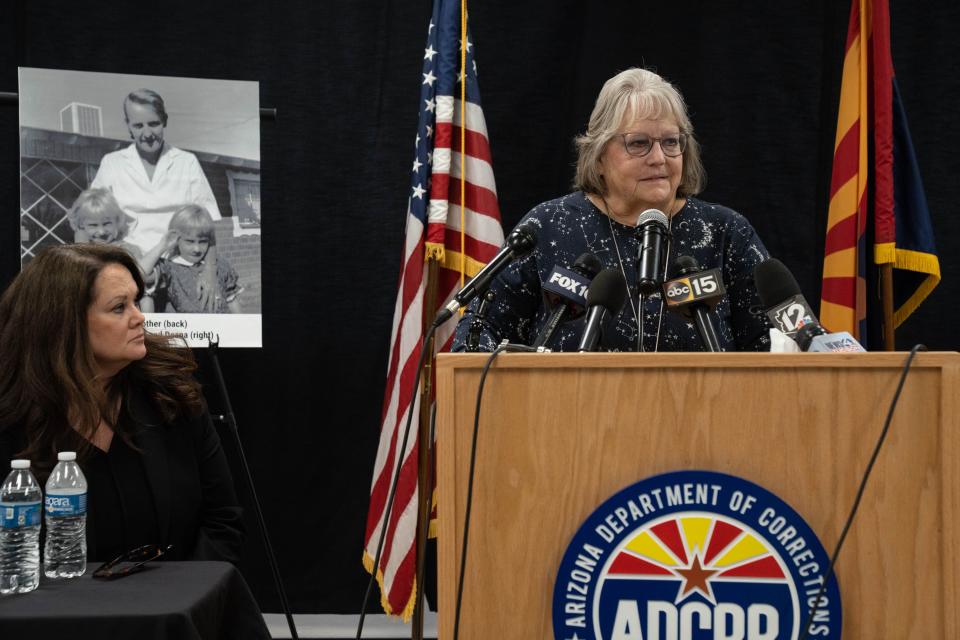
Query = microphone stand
x=705 y=328
x=231 y=420
x=473 y=333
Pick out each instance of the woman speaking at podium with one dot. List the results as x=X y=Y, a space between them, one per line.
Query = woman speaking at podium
x=638 y=153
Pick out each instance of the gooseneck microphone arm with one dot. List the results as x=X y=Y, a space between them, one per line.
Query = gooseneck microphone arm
x=521 y=241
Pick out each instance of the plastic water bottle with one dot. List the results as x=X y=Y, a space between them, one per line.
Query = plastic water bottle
x=65 y=513
x=19 y=530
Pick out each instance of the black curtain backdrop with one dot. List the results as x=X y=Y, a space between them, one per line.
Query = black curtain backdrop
x=761 y=80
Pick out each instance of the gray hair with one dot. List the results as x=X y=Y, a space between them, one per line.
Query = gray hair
x=635 y=93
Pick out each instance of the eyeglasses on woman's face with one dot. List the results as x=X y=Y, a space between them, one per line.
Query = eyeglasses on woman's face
x=130 y=562
x=640 y=144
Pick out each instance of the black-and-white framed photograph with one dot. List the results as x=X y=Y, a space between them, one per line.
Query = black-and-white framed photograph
x=166 y=168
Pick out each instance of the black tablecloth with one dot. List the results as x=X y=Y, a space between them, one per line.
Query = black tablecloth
x=168 y=600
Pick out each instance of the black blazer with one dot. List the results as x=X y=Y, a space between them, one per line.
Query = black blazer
x=186 y=469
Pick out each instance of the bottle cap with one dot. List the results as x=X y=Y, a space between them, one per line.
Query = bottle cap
x=19 y=464
x=66 y=456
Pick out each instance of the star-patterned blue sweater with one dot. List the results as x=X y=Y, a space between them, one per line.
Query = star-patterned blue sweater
x=715 y=236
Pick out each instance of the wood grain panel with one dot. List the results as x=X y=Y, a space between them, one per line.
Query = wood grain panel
x=560 y=433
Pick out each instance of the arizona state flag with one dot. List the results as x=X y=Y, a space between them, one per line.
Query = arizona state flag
x=871 y=119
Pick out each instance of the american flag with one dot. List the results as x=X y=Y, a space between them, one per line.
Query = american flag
x=434 y=222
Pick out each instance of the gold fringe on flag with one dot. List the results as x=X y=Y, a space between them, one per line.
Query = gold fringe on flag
x=407 y=612
x=434 y=251
x=455 y=260
x=917 y=261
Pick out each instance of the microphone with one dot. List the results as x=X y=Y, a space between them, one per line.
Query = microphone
x=521 y=241
x=652 y=225
x=780 y=295
x=788 y=311
x=476 y=327
x=693 y=293
x=813 y=338
x=606 y=294
x=565 y=292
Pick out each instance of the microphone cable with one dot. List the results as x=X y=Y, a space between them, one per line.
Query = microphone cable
x=396 y=477
x=504 y=346
x=863 y=485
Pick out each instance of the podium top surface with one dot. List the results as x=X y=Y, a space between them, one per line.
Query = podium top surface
x=739 y=360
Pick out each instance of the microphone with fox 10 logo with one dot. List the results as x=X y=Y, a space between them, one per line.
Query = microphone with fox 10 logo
x=693 y=293
x=565 y=292
x=780 y=295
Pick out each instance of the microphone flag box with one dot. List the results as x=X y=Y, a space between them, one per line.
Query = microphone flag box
x=704 y=286
x=568 y=285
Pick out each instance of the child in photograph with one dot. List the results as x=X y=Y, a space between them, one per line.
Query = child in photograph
x=180 y=271
x=96 y=217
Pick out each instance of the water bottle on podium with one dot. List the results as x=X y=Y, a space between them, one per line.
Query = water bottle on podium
x=65 y=514
x=20 y=498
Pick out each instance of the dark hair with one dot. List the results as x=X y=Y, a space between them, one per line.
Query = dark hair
x=48 y=373
x=148 y=97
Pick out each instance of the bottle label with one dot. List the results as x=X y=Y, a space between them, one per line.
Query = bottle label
x=14 y=515
x=69 y=505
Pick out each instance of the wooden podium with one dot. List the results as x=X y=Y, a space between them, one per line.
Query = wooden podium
x=560 y=433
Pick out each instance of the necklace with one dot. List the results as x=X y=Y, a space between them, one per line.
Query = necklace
x=638 y=309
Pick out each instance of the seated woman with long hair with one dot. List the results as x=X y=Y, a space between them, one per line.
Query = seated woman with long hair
x=80 y=373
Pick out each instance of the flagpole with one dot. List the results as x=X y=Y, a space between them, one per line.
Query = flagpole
x=425 y=493
x=425 y=477
x=886 y=302
x=463 y=142
x=424 y=471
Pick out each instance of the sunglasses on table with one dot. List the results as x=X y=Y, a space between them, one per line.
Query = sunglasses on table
x=130 y=562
